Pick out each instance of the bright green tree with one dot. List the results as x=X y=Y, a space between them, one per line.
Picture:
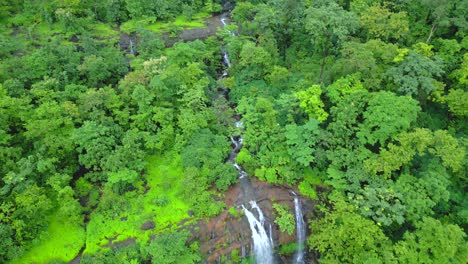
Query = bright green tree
x=328 y=25
x=344 y=236
x=311 y=103
x=433 y=242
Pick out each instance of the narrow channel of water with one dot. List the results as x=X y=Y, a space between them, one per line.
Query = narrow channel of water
x=299 y=257
x=261 y=239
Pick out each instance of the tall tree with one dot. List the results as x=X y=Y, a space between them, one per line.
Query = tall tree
x=329 y=25
x=433 y=242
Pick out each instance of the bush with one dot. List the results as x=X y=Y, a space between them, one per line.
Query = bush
x=284 y=219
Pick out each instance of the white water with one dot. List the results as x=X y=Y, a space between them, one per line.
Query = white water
x=236 y=143
x=223 y=20
x=226 y=59
x=131 y=47
x=300 y=232
x=262 y=243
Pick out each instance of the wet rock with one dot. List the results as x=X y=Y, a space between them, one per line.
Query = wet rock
x=148 y=225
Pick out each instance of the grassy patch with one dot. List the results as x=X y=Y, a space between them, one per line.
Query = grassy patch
x=45 y=29
x=198 y=21
x=179 y=22
x=61 y=241
x=102 y=30
x=161 y=204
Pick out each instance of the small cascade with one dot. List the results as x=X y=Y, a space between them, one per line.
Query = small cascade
x=130 y=46
x=300 y=232
x=262 y=242
x=223 y=21
x=226 y=59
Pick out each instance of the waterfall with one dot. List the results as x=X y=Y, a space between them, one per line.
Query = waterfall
x=262 y=243
x=300 y=232
x=262 y=248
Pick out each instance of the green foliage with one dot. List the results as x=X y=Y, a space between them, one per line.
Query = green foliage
x=234 y=212
x=284 y=219
x=457 y=102
x=137 y=207
x=439 y=144
x=346 y=237
x=367 y=61
x=380 y=22
x=83 y=187
x=312 y=177
x=432 y=242
x=121 y=180
x=206 y=152
x=130 y=254
x=386 y=116
x=381 y=204
x=328 y=25
x=254 y=60
x=344 y=86
x=62 y=240
x=416 y=75
x=311 y=103
x=301 y=141
x=236 y=256
x=326 y=20
x=421 y=194
x=169 y=248
x=142 y=138
x=287 y=249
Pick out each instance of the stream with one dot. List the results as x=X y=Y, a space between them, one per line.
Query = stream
x=261 y=239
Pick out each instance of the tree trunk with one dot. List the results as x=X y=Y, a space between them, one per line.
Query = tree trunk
x=324 y=57
x=433 y=29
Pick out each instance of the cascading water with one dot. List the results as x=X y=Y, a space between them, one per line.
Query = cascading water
x=131 y=47
x=300 y=232
x=262 y=241
x=226 y=59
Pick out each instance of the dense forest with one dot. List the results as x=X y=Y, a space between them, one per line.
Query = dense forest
x=127 y=126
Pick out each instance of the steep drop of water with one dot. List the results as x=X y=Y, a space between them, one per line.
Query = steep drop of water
x=262 y=243
x=300 y=232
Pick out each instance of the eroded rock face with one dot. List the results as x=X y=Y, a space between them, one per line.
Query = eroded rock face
x=229 y=231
